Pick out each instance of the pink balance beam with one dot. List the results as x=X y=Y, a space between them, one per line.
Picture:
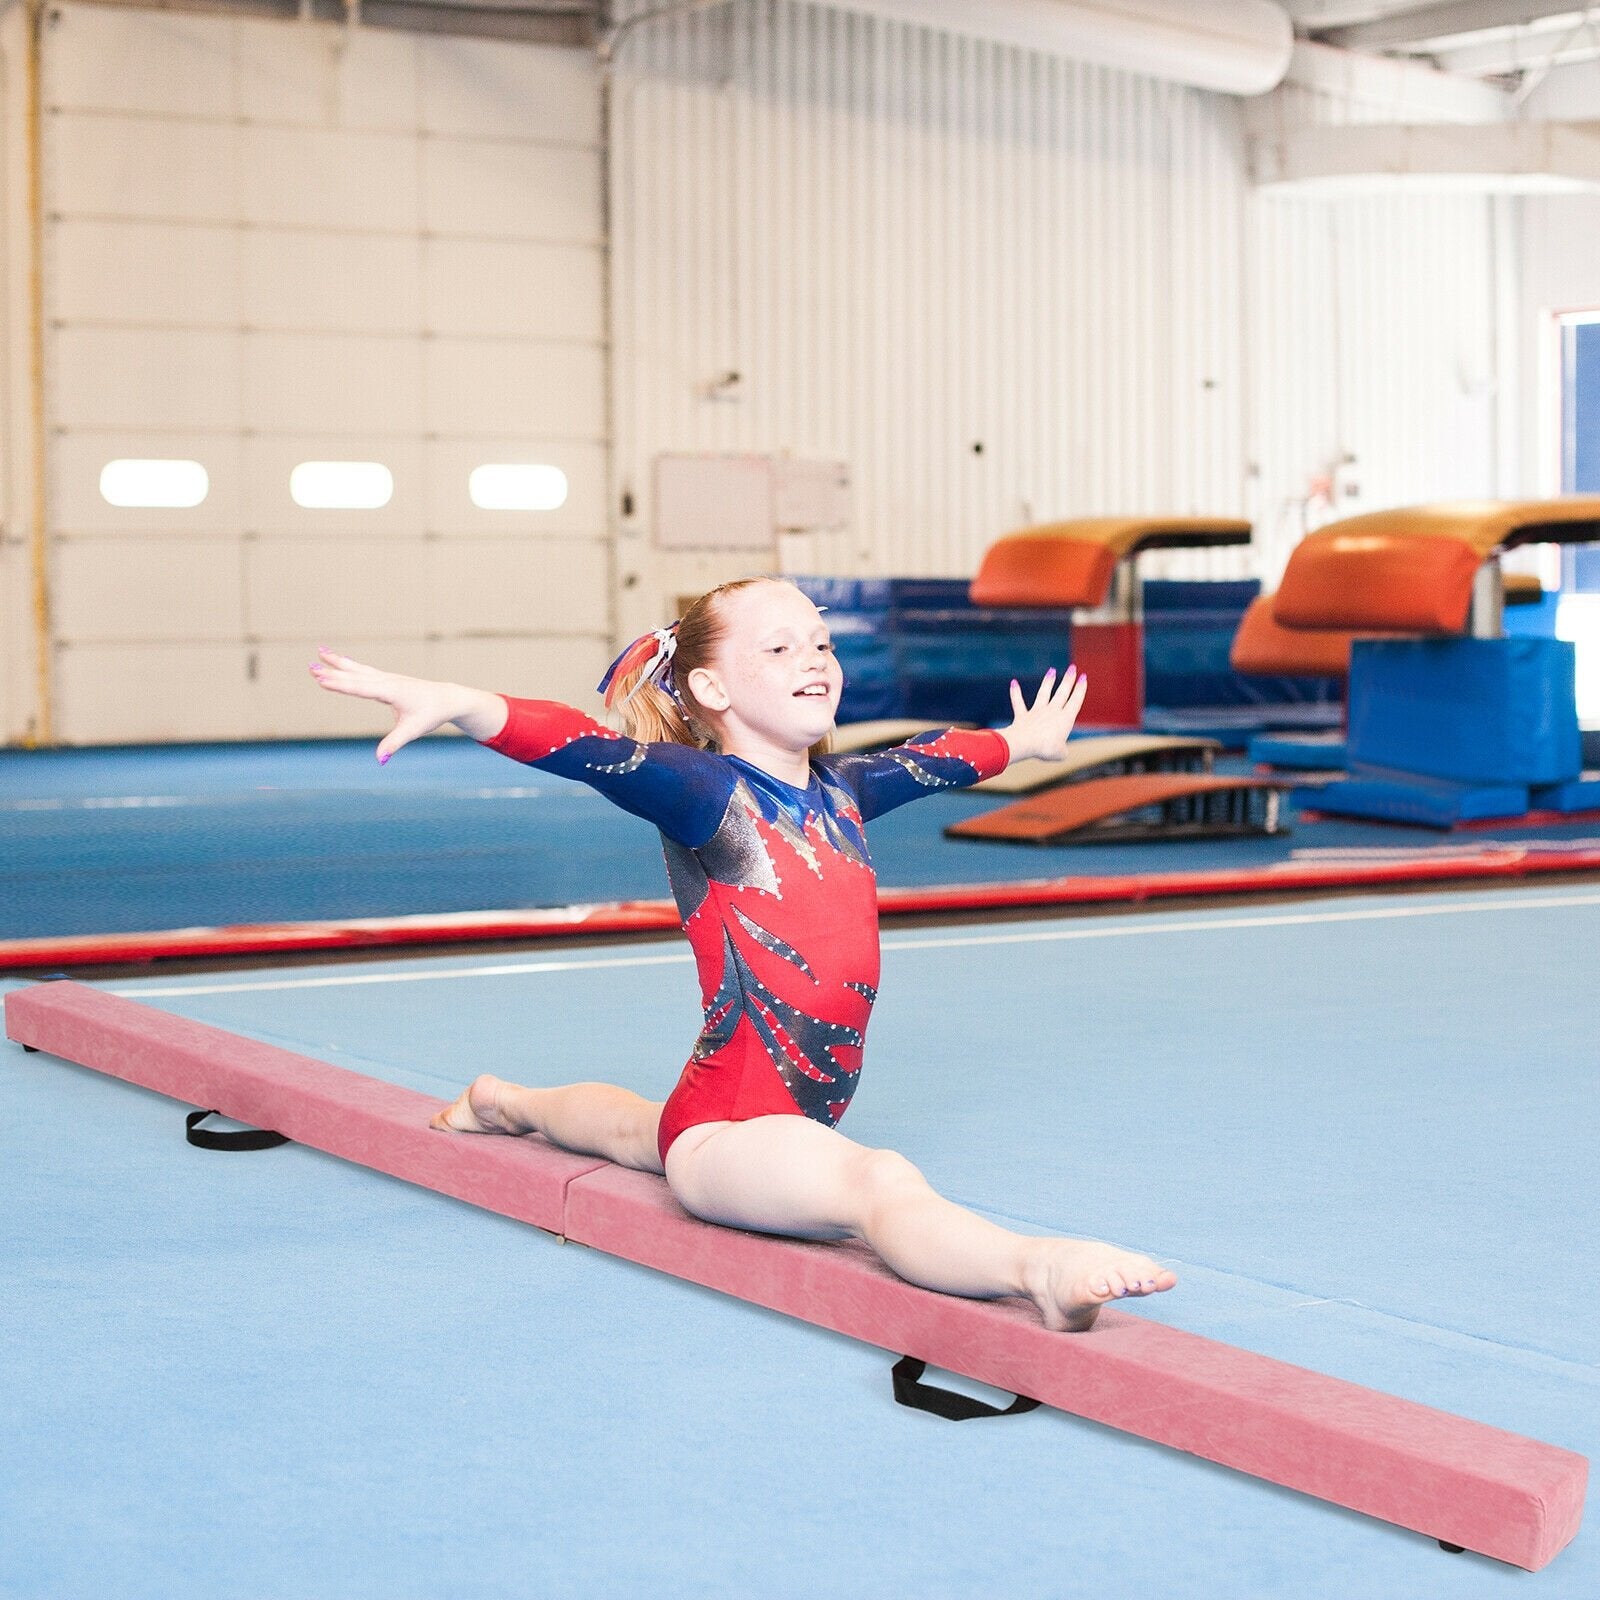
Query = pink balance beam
x=1459 y=1481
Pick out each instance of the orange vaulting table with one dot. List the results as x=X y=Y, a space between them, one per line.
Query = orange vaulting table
x=1469 y=1485
x=1088 y=562
x=1412 y=570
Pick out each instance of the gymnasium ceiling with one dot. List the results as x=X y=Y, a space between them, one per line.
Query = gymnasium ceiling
x=1499 y=40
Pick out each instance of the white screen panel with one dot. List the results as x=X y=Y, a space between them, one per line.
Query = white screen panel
x=126 y=590
x=491 y=287
x=483 y=387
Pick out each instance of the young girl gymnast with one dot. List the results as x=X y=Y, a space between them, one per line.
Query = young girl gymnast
x=727 y=713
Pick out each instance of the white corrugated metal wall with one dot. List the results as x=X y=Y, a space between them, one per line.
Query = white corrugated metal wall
x=909 y=244
x=1002 y=287
x=1372 y=333
x=269 y=243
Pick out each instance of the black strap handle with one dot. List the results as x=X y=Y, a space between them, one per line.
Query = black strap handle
x=909 y=1390
x=232 y=1139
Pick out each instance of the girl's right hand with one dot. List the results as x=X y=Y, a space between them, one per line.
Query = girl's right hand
x=420 y=706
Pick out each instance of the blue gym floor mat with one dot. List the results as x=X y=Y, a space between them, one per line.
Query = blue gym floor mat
x=1360 y=1131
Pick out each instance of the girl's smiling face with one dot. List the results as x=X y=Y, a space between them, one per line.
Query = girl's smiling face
x=775 y=676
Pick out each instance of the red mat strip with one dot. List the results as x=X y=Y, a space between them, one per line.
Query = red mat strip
x=649 y=916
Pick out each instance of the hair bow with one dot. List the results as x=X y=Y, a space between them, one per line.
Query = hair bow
x=654 y=650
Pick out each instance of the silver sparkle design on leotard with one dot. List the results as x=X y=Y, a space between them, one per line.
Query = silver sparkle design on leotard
x=770 y=941
x=851 y=843
x=734 y=854
x=793 y=835
x=633 y=761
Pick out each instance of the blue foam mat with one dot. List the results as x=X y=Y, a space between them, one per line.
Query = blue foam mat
x=282 y=1375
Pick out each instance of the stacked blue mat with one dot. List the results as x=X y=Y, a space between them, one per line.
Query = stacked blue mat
x=919 y=647
x=1444 y=731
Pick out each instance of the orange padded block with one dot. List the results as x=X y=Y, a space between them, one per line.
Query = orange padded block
x=1041 y=569
x=1262 y=646
x=1070 y=563
x=1377 y=583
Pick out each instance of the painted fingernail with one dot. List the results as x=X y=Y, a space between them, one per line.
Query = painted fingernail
x=382 y=760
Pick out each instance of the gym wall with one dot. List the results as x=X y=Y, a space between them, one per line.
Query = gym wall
x=268 y=243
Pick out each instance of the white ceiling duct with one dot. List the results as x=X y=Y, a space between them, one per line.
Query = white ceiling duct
x=1231 y=46
x=1496 y=157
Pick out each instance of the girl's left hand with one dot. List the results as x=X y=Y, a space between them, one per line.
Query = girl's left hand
x=1040 y=730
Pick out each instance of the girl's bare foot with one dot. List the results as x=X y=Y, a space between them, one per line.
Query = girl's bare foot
x=477 y=1110
x=1070 y=1279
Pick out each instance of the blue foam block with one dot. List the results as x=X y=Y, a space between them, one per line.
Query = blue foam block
x=1307 y=752
x=1407 y=797
x=1580 y=794
x=1475 y=711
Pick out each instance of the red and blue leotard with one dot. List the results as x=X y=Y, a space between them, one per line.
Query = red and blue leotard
x=776 y=891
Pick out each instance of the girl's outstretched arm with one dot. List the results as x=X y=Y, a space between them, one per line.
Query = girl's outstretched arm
x=1041 y=730
x=419 y=705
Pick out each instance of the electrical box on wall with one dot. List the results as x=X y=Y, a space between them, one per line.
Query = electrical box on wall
x=746 y=502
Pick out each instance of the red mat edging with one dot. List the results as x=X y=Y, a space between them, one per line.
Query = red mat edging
x=654 y=916
x=1463 y=1482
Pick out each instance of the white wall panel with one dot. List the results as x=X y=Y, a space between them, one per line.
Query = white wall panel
x=119 y=166
x=77 y=506
x=450 y=510
x=323 y=383
x=182 y=274
x=327 y=77
x=179 y=379
x=337 y=587
x=554 y=669
x=510 y=191
x=510 y=389
x=239 y=271
x=329 y=178
x=109 y=693
x=478 y=88
x=518 y=586
x=131 y=590
x=103 y=58
x=493 y=288
x=1559 y=245
x=352 y=282
x=268 y=508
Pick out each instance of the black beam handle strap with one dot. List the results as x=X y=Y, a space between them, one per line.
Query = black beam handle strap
x=909 y=1390
x=234 y=1139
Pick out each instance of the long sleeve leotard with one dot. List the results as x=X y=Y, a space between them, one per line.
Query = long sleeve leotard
x=776 y=891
